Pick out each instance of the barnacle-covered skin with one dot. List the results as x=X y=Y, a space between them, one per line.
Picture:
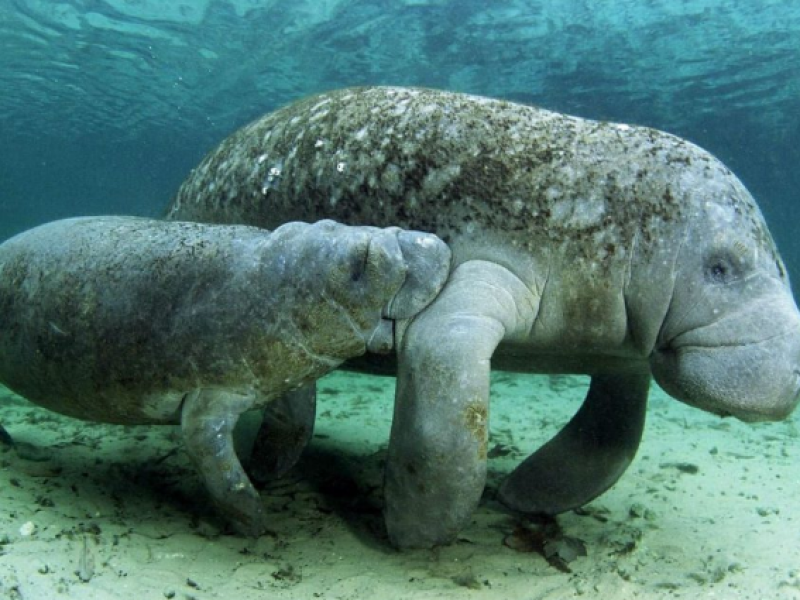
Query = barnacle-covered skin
x=578 y=246
x=465 y=167
x=130 y=320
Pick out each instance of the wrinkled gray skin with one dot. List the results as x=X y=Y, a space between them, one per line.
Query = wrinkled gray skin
x=579 y=247
x=129 y=320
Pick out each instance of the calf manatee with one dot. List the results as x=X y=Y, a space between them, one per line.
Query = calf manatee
x=128 y=320
x=579 y=246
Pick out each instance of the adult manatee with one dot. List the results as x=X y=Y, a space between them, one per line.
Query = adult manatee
x=579 y=246
x=129 y=320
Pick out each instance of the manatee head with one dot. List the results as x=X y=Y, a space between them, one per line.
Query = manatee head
x=350 y=283
x=730 y=340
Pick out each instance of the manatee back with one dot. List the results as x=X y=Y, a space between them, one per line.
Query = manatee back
x=452 y=164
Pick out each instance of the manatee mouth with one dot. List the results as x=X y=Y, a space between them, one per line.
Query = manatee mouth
x=717 y=336
x=739 y=380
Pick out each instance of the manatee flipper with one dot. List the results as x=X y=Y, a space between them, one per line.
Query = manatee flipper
x=436 y=464
x=588 y=455
x=286 y=428
x=207 y=421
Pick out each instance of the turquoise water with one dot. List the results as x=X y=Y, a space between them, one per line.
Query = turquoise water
x=106 y=104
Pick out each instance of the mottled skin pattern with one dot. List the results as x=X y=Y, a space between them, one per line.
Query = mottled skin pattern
x=578 y=246
x=129 y=320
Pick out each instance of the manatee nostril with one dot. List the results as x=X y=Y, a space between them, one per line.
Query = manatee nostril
x=359 y=266
x=371 y=261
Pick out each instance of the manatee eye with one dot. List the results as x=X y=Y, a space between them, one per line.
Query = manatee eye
x=721 y=269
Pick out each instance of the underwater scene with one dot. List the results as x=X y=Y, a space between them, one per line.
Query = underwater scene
x=402 y=299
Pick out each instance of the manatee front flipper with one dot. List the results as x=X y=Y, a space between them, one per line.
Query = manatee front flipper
x=207 y=420
x=588 y=455
x=436 y=465
x=286 y=429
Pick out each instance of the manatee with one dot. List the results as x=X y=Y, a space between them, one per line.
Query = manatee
x=606 y=249
x=129 y=320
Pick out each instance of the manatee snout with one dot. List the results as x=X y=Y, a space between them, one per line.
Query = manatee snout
x=427 y=260
x=384 y=275
x=412 y=268
x=747 y=366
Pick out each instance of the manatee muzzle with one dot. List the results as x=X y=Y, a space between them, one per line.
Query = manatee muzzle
x=428 y=264
x=752 y=380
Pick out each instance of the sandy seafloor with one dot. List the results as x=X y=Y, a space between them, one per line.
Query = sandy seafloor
x=709 y=509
